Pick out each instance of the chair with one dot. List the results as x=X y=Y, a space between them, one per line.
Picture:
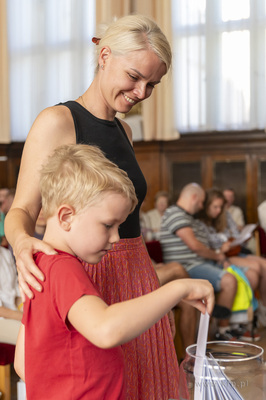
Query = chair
x=262 y=241
x=7 y=354
x=155 y=250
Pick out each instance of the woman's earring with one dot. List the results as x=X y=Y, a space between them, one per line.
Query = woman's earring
x=102 y=66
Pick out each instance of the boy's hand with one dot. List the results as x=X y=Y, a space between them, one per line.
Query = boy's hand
x=201 y=295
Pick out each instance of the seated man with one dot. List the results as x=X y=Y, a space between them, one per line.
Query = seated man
x=183 y=241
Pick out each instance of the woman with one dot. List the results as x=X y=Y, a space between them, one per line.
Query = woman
x=133 y=56
x=220 y=228
x=155 y=215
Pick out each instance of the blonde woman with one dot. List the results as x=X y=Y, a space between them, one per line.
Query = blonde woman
x=133 y=57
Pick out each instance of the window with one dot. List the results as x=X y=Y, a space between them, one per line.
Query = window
x=219 y=64
x=51 y=56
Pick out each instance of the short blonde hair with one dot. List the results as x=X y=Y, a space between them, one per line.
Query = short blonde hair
x=133 y=33
x=78 y=175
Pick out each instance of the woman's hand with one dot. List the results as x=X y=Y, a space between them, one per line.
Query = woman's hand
x=225 y=247
x=27 y=269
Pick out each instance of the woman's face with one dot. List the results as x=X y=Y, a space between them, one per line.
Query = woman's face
x=127 y=80
x=215 y=208
x=162 y=204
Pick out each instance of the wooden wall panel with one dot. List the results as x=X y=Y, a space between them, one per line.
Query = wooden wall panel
x=208 y=149
x=161 y=161
x=10 y=155
x=149 y=158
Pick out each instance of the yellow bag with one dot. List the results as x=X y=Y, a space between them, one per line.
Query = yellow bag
x=244 y=295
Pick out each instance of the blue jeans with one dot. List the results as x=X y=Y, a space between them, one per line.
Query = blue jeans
x=210 y=271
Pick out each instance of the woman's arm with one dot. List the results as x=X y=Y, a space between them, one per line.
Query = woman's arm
x=187 y=235
x=109 y=326
x=19 y=362
x=53 y=127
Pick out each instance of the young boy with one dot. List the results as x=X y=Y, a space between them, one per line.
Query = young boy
x=68 y=345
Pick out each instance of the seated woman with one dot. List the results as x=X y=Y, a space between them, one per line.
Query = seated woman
x=161 y=202
x=218 y=225
x=10 y=314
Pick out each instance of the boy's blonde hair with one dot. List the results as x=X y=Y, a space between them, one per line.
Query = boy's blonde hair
x=78 y=175
x=133 y=33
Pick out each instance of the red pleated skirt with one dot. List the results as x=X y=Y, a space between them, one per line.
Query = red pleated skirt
x=124 y=273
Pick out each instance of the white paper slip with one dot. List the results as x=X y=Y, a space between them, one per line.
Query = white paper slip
x=201 y=356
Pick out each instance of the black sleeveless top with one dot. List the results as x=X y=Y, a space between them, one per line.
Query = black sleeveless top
x=111 y=138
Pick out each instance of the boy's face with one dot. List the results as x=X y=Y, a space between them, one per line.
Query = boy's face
x=95 y=229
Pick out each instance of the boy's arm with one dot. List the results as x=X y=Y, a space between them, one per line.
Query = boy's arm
x=109 y=326
x=19 y=362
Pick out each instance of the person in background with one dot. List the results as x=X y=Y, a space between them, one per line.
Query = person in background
x=183 y=240
x=10 y=301
x=133 y=55
x=80 y=334
x=237 y=221
x=145 y=224
x=3 y=193
x=235 y=211
x=215 y=218
x=7 y=201
x=262 y=215
x=154 y=216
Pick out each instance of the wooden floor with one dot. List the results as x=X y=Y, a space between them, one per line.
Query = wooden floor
x=14 y=377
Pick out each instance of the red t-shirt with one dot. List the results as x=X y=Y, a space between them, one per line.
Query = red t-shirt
x=59 y=362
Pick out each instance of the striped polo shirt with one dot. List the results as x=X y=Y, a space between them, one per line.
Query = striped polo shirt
x=173 y=248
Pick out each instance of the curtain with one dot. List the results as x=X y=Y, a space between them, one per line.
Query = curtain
x=157 y=111
x=219 y=63
x=4 y=92
x=158 y=116
x=51 y=56
x=51 y=59
x=107 y=10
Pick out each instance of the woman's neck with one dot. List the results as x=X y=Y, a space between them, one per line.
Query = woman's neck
x=94 y=102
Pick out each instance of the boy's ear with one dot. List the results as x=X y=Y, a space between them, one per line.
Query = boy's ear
x=65 y=214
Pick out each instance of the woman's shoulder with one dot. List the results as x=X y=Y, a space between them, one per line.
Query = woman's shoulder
x=59 y=115
x=54 y=122
x=127 y=130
